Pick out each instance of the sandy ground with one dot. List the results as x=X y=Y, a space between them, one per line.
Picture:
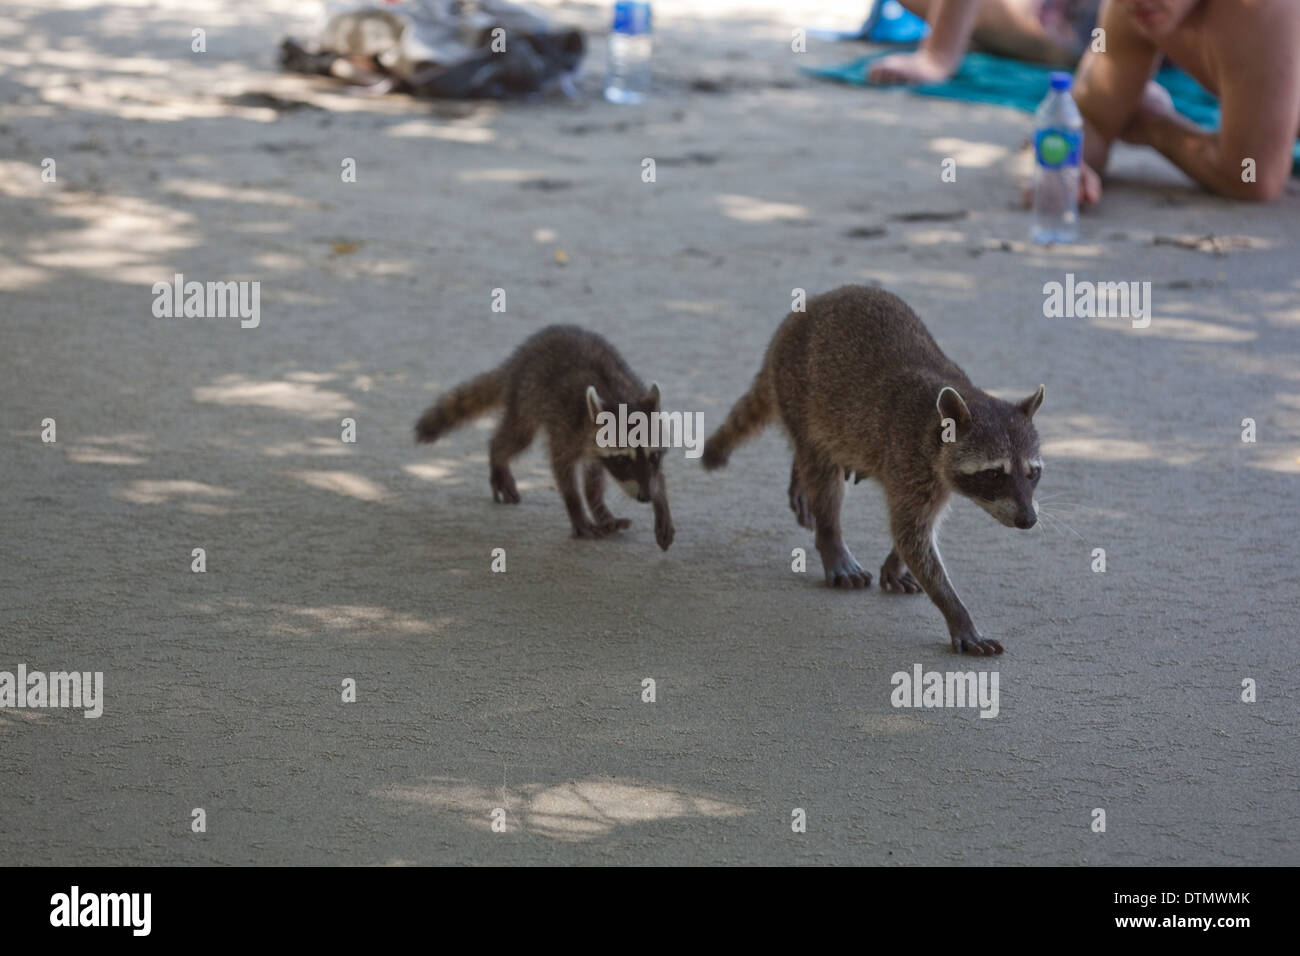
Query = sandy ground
x=327 y=561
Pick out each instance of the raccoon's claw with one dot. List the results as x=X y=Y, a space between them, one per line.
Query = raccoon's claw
x=503 y=486
x=605 y=520
x=973 y=643
x=855 y=580
x=899 y=583
x=895 y=578
x=588 y=530
x=845 y=572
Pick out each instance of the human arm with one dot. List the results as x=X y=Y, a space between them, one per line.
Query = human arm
x=1109 y=85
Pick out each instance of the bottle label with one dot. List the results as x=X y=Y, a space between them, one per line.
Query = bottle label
x=632 y=17
x=1055 y=148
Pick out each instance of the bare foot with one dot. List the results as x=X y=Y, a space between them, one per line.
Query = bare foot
x=921 y=67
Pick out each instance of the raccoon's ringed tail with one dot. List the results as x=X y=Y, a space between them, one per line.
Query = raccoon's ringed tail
x=747 y=418
x=467 y=400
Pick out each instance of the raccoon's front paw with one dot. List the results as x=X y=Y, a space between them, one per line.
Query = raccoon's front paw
x=843 y=571
x=664 y=533
x=970 y=641
x=503 y=486
x=664 y=530
x=895 y=577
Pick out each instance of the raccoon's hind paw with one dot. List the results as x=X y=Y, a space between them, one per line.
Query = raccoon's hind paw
x=895 y=577
x=897 y=583
x=972 y=642
x=503 y=486
x=843 y=571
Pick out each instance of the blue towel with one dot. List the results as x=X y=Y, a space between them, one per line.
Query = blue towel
x=984 y=78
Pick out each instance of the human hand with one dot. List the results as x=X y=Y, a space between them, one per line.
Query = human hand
x=1089 y=186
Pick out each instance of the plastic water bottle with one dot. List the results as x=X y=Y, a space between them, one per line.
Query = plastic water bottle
x=627 y=79
x=1058 y=144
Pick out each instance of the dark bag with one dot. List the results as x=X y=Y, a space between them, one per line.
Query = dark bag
x=444 y=48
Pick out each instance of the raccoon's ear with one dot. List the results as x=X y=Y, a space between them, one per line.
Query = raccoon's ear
x=652 y=397
x=951 y=405
x=1030 y=404
x=594 y=405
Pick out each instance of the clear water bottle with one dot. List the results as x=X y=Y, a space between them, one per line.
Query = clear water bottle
x=1058 y=145
x=627 y=79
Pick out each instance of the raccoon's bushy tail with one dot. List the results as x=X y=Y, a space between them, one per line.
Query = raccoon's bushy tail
x=467 y=400
x=746 y=419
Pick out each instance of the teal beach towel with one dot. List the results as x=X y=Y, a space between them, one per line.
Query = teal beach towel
x=984 y=78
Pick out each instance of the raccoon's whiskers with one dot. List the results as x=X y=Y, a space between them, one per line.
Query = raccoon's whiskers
x=1056 y=502
x=1058 y=520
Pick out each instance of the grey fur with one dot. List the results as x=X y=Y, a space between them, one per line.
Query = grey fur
x=862 y=388
x=559 y=380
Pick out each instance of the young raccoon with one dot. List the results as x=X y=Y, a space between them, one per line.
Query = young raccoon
x=862 y=388
x=561 y=379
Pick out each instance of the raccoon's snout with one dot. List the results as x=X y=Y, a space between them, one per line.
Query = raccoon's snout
x=1008 y=513
x=1027 y=515
x=643 y=496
